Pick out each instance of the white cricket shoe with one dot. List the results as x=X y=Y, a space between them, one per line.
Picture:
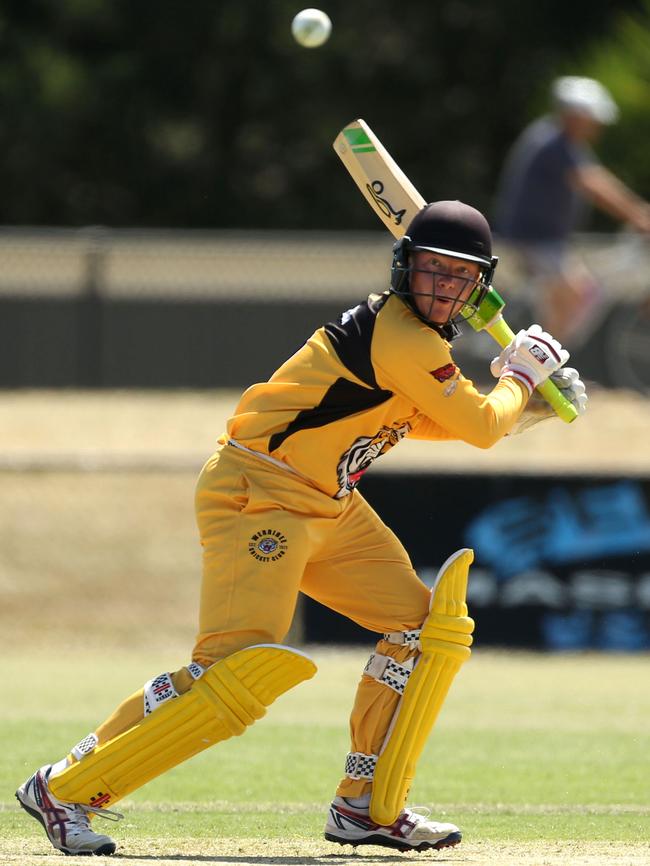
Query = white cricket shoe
x=67 y=824
x=411 y=831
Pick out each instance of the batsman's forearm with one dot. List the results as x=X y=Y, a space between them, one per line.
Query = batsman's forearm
x=500 y=331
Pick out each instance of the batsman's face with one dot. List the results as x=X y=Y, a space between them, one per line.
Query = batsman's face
x=440 y=285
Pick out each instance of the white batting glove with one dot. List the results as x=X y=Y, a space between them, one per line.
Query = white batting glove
x=572 y=387
x=531 y=358
x=537 y=409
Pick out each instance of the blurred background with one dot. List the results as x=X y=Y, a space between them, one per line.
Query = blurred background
x=174 y=223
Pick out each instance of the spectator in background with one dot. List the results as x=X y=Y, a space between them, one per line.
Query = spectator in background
x=549 y=177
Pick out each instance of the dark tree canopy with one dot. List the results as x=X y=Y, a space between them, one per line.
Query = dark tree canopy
x=207 y=114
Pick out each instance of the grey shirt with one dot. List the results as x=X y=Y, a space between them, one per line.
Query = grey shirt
x=535 y=200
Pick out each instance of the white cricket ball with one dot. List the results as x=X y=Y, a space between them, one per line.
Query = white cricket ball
x=311 y=28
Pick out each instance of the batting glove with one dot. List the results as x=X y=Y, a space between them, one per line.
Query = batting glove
x=537 y=409
x=572 y=387
x=531 y=358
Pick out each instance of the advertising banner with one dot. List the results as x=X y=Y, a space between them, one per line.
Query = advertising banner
x=561 y=563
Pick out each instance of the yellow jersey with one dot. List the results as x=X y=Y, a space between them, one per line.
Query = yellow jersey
x=359 y=386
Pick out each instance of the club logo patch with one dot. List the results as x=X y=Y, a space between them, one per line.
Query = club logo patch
x=538 y=353
x=443 y=373
x=267 y=545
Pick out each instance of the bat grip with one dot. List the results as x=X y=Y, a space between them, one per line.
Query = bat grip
x=500 y=331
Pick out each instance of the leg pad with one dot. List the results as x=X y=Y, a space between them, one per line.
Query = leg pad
x=230 y=696
x=445 y=640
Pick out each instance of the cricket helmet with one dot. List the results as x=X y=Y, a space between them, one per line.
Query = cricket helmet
x=450 y=228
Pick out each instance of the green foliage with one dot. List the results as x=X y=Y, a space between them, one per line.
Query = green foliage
x=621 y=60
x=208 y=114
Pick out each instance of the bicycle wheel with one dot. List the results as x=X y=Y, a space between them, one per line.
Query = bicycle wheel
x=627 y=346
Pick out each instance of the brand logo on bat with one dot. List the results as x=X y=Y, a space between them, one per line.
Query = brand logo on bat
x=376 y=189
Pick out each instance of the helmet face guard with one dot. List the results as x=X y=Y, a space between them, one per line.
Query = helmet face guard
x=454 y=230
x=463 y=305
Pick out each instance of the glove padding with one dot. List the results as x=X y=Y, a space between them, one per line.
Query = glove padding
x=531 y=358
x=537 y=409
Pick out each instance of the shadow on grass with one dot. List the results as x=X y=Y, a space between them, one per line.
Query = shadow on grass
x=285 y=860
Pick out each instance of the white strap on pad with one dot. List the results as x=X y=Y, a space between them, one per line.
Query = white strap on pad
x=360 y=766
x=405 y=638
x=158 y=691
x=196 y=670
x=85 y=747
x=389 y=672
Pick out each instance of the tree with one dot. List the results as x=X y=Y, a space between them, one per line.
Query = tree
x=207 y=114
x=621 y=60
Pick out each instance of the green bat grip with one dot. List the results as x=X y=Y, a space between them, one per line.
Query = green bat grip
x=488 y=318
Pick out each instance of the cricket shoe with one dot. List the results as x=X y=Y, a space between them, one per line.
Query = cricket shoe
x=411 y=831
x=67 y=824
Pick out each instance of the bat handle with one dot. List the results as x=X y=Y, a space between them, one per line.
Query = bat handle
x=500 y=331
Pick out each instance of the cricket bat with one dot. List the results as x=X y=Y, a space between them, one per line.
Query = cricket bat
x=396 y=201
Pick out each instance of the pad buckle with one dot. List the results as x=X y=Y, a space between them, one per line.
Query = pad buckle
x=405 y=638
x=389 y=672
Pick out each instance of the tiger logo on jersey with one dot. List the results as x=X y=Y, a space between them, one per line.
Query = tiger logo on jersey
x=361 y=454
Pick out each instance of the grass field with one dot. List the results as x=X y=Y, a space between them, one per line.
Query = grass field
x=540 y=760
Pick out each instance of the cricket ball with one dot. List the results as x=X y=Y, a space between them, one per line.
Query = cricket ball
x=311 y=28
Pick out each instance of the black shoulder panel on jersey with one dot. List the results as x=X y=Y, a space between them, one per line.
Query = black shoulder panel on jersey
x=342 y=399
x=351 y=337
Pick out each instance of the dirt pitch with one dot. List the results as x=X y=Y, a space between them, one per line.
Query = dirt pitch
x=242 y=852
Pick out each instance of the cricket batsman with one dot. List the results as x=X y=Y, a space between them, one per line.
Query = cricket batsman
x=279 y=512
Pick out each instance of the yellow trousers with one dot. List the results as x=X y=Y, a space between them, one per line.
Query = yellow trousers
x=267 y=535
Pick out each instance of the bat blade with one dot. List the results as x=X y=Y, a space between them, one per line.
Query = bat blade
x=386 y=188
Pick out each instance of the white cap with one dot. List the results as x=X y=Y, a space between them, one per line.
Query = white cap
x=584 y=96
